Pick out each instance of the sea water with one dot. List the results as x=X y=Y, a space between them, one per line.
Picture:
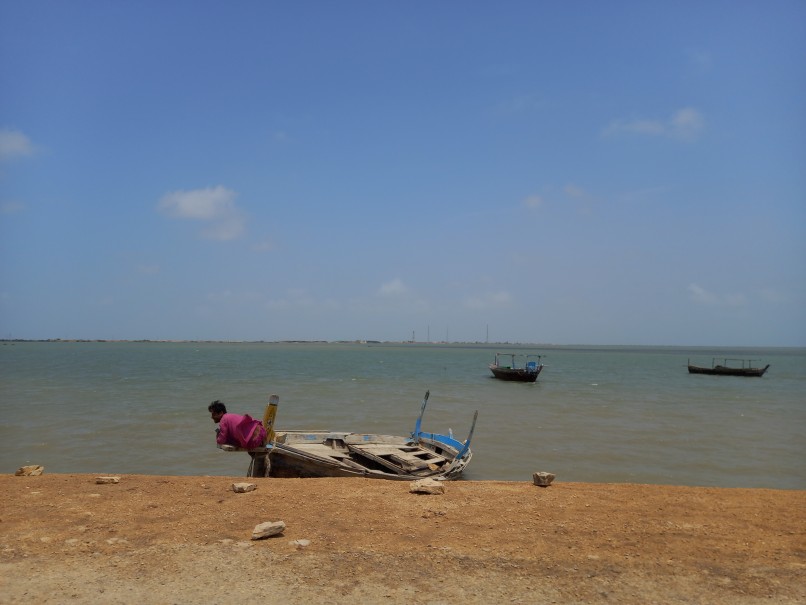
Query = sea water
x=596 y=414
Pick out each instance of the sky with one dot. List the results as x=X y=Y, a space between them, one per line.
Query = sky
x=625 y=173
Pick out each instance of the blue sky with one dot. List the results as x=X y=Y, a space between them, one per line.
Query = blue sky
x=569 y=173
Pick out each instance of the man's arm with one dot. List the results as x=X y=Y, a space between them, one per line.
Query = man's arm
x=223 y=431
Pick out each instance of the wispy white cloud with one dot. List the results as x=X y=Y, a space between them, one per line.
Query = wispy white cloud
x=576 y=192
x=520 y=103
x=295 y=299
x=685 y=124
x=584 y=201
x=533 y=201
x=396 y=287
x=569 y=192
x=214 y=206
x=11 y=207
x=734 y=300
x=234 y=297
x=202 y=204
x=772 y=295
x=489 y=300
x=647 y=194
x=15 y=144
x=264 y=246
x=702 y=61
x=228 y=228
x=635 y=126
x=700 y=295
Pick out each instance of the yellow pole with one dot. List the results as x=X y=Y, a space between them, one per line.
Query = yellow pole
x=268 y=417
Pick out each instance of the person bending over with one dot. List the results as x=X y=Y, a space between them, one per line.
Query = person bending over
x=234 y=429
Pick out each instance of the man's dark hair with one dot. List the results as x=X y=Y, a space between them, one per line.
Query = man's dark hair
x=217 y=406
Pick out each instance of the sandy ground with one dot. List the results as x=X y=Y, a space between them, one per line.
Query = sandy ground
x=186 y=540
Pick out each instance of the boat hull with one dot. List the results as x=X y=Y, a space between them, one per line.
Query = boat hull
x=323 y=454
x=516 y=375
x=727 y=371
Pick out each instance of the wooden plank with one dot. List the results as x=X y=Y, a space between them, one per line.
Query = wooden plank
x=371 y=446
x=375 y=451
x=410 y=457
x=376 y=458
x=409 y=464
x=318 y=449
x=374 y=439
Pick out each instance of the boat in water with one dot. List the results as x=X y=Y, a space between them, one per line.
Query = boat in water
x=317 y=453
x=739 y=367
x=516 y=367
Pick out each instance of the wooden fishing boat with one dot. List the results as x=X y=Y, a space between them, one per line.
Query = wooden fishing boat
x=300 y=454
x=516 y=367
x=726 y=369
x=342 y=454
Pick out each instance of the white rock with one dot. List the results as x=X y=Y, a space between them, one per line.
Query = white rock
x=300 y=543
x=103 y=480
x=268 y=529
x=30 y=470
x=543 y=479
x=242 y=488
x=427 y=486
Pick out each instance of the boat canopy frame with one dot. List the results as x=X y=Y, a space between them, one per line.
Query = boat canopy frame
x=527 y=365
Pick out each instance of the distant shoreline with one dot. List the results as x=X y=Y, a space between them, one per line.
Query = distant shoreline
x=478 y=344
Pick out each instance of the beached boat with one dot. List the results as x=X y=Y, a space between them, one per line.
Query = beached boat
x=516 y=367
x=726 y=369
x=344 y=454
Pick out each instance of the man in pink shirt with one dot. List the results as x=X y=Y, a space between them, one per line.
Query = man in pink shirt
x=234 y=429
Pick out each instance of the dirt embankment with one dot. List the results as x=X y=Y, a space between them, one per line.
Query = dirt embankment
x=147 y=539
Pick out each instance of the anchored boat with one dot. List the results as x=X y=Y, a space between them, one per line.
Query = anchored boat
x=516 y=367
x=726 y=369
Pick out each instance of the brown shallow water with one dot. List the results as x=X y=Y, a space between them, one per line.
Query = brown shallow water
x=168 y=539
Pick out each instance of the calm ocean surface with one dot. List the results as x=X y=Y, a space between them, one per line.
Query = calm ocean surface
x=597 y=414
